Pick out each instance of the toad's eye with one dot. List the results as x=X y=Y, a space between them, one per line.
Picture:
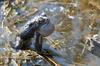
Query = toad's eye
x=41 y=20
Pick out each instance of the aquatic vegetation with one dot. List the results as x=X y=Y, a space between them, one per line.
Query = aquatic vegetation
x=76 y=23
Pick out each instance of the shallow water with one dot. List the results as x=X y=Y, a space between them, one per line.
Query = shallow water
x=67 y=35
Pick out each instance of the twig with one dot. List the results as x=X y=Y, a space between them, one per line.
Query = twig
x=21 y=17
x=51 y=61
